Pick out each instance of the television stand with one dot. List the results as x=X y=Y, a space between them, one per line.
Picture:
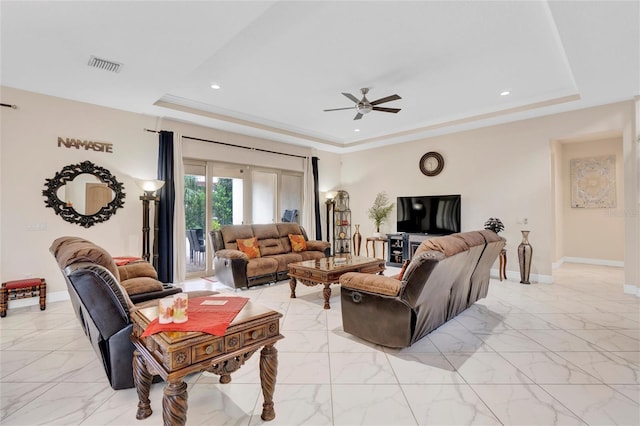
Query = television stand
x=402 y=246
x=396 y=247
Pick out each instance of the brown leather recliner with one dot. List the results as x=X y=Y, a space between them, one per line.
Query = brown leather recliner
x=445 y=276
x=102 y=304
x=235 y=269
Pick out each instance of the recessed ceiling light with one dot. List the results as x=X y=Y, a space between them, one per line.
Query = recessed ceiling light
x=215 y=86
x=356 y=130
x=505 y=93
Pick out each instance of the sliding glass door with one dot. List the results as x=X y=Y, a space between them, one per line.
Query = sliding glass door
x=227 y=195
x=276 y=196
x=264 y=190
x=291 y=189
x=218 y=194
x=195 y=214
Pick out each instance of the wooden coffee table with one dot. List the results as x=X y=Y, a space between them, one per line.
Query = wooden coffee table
x=328 y=271
x=173 y=355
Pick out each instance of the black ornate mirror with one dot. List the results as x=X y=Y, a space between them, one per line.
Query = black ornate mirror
x=84 y=193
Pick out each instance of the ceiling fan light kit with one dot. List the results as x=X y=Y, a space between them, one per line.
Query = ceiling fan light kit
x=363 y=106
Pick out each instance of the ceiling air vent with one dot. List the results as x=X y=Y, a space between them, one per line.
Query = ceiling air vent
x=103 y=64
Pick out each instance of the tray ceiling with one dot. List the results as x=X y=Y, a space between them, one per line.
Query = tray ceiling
x=280 y=64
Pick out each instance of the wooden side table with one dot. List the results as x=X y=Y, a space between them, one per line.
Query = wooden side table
x=174 y=355
x=373 y=241
x=503 y=264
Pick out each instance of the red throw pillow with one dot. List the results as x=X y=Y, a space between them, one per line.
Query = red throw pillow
x=298 y=243
x=404 y=268
x=249 y=246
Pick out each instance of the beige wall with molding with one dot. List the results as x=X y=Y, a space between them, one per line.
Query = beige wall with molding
x=29 y=154
x=504 y=171
x=592 y=233
x=501 y=171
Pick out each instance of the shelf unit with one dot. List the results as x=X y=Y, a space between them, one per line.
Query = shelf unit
x=341 y=224
x=402 y=246
x=396 y=247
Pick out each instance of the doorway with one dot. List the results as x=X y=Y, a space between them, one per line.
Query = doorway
x=588 y=235
x=195 y=213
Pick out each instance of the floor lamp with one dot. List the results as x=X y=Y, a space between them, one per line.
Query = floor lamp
x=150 y=187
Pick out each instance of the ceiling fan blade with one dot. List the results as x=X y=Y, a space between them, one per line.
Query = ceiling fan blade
x=350 y=96
x=338 y=109
x=387 y=99
x=393 y=110
x=358 y=116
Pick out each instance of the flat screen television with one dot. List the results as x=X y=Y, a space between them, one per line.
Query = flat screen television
x=429 y=214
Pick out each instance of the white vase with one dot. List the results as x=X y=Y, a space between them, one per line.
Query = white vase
x=378 y=235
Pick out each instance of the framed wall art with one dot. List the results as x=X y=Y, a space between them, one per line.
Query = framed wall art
x=593 y=182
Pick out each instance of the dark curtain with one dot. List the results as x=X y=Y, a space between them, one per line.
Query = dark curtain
x=166 y=205
x=316 y=203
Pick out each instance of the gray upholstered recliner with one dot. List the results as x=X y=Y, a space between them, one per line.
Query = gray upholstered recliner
x=102 y=305
x=445 y=276
x=290 y=215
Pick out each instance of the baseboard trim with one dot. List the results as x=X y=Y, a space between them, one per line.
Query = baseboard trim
x=542 y=279
x=589 y=261
x=632 y=289
x=515 y=276
x=55 y=296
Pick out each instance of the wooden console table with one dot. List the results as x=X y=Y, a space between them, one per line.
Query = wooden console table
x=173 y=355
x=373 y=241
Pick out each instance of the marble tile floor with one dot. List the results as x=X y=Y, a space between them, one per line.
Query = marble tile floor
x=540 y=354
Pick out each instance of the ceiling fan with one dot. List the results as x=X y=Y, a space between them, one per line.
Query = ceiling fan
x=363 y=106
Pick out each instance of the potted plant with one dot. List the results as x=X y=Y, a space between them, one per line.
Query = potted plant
x=379 y=211
x=494 y=224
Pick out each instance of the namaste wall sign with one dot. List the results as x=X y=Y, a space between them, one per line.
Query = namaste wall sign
x=86 y=145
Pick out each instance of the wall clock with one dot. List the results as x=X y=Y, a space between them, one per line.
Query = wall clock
x=431 y=164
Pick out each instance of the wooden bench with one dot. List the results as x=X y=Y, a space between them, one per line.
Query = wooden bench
x=21 y=289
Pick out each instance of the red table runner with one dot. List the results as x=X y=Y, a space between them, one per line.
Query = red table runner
x=211 y=315
x=123 y=260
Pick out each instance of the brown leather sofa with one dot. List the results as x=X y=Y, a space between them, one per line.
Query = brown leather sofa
x=235 y=269
x=445 y=276
x=102 y=304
